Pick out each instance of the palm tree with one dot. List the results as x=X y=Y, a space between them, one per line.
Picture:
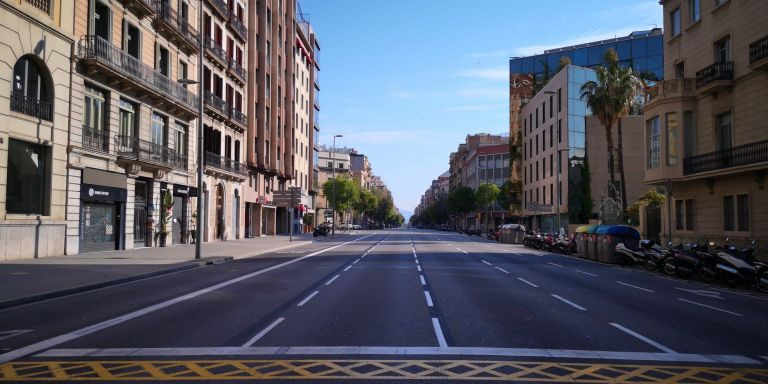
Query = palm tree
x=600 y=101
x=627 y=86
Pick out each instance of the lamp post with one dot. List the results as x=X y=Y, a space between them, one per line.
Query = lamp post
x=557 y=184
x=333 y=176
x=199 y=152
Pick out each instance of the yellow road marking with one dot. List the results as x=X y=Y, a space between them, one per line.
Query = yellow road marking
x=512 y=371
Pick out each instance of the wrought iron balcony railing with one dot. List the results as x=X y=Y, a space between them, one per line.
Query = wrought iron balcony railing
x=225 y=164
x=746 y=154
x=215 y=49
x=237 y=69
x=219 y=6
x=237 y=25
x=670 y=88
x=136 y=149
x=715 y=72
x=178 y=25
x=31 y=106
x=238 y=116
x=119 y=61
x=758 y=50
x=96 y=139
x=216 y=103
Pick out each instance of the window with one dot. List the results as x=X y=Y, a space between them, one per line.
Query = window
x=674 y=21
x=544 y=167
x=551 y=162
x=652 y=135
x=680 y=70
x=723 y=50
x=102 y=16
x=28 y=179
x=551 y=111
x=551 y=133
x=671 y=138
x=131 y=39
x=93 y=109
x=180 y=138
x=158 y=129
x=684 y=214
x=723 y=130
x=127 y=123
x=341 y=165
x=330 y=164
x=694 y=8
x=720 y=2
x=559 y=99
x=31 y=91
x=689 y=133
x=162 y=60
x=689 y=215
x=183 y=72
x=736 y=213
x=559 y=131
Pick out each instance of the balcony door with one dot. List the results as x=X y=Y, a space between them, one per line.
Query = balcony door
x=102 y=21
x=131 y=40
x=723 y=50
x=723 y=131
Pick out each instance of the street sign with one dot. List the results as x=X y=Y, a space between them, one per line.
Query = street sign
x=287 y=198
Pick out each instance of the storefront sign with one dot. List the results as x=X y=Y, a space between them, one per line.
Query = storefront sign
x=92 y=192
x=184 y=190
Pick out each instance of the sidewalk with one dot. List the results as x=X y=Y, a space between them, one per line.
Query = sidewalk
x=26 y=281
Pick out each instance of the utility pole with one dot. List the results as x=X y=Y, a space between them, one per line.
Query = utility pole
x=333 y=195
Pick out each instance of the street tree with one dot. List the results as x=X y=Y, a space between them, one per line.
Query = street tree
x=462 y=201
x=343 y=196
x=486 y=195
x=365 y=204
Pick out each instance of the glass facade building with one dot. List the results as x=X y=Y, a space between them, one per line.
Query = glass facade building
x=642 y=50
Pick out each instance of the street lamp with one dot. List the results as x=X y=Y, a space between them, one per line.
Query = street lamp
x=333 y=194
x=557 y=185
x=201 y=111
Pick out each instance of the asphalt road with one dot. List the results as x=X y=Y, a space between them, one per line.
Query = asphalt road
x=395 y=303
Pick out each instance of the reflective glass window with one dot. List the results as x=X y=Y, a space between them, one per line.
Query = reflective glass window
x=606 y=47
x=516 y=66
x=639 y=48
x=527 y=65
x=553 y=61
x=595 y=55
x=538 y=63
x=624 y=49
x=655 y=45
x=580 y=57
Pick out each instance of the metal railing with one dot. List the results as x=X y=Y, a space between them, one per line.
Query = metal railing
x=220 y=6
x=670 y=88
x=149 y=6
x=237 y=116
x=96 y=48
x=758 y=50
x=216 y=103
x=217 y=161
x=215 y=49
x=96 y=139
x=716 y=71
x=31 y=106
x=146 y=151
x=237 y=25
x=182 y=27
x=237 y=69
x=43 y=5
x=746 y=154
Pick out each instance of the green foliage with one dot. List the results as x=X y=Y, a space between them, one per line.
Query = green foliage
x=486 y=194
x=580 y=201
x=307 y=219
x=344 y=195
x=165 y=212
x=563 y=62
x=365 y=204
x=462 y=200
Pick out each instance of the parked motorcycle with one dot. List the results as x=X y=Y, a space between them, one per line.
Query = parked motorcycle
x=733 y=265
x=321 y=230
x=648 y=254
x=685 y=261
x=565 y=245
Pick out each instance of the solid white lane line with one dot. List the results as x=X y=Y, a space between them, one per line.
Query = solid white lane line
x=586 y=273
x=643 y=338
x=347 y=268
x=331 y=280
x=527 y=282
x=486 y=263
x=429 y=299
x=502 y=269
x=571 y=303
x=439 y=333
x=710 y=307
x=261 y=334
x=308 y=298
x=418 y=267
x=634 y=286
x=406 y=351
x=423 y=282
x=417 y=261
x=54 y=341
x=355 y=262
x=556 y=265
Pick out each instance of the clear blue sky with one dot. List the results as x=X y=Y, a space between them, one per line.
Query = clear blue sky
x=406 y=80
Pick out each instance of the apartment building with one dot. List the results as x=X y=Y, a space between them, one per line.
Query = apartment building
x=706 y=140
x=461 y=173
x=133 y=114
x=225 y=41
x=328 y=159
x=37 y=41
x=361 y=170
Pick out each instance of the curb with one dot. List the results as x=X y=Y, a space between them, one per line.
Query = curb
x=90 y=287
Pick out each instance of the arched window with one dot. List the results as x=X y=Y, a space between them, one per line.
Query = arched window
x=31 y=93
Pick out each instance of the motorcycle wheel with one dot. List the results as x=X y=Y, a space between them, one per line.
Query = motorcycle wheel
x=669 y=269
x=762 y=281
x=732 y=281
x=649 y=265
x=707 y=274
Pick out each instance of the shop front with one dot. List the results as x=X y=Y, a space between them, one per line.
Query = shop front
x=102 y=210
x=180 y=214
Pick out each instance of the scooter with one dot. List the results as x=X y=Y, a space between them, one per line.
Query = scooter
x=685 y=261
x=320 y=231
x=732 y=265
x=646 y=255
x=565 y=245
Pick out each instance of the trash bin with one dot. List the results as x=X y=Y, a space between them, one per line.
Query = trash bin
x=516 y=233
x=611 y=236
x=582 y=239
x=504 y=234
x=592 y=241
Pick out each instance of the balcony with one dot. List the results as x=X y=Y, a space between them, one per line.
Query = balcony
x=121 y=69
x=222 y=166
x=31 y=106
x=148 y=154
x=215 y=52
x=95 y=139
x=714 y=78
x=666 y=90
x=758 y=54
x=238 y=118
x=237 y=71
x=142 y=7
x=237 y=26
x=219 y=6
x=177 y=29
x=747 y=154
x=216 y=105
